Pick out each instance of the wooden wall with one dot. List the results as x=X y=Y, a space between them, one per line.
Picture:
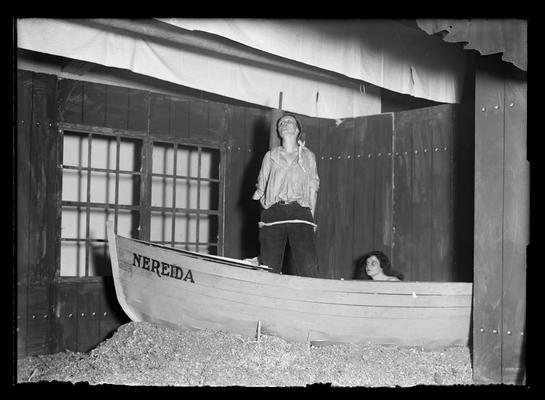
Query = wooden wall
x=390 y=182
x=424 y=193
x=502 y=189
x=55 y=313
x=372 y=195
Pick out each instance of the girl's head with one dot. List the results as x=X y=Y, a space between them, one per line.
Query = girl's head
x=288 y=125
x=374 y=263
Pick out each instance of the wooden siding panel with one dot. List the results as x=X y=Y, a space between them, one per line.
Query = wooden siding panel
x=217 y=122
x=71 y=101
x=421 y=199
x=43 y=181
x=442 y=197
x=110 y=314
x=24 y=124
x=117 y=107
x=179 y=117
x=139 y=104
x=311 y=132
x=325 y=218
x=159 y=115
x=256 y=132
x=343 y=175
x=66 y=311
x=198 y=123
x=364 y=185
x=88 y=324
x=94 y=104
x=516 y=231
x=402 y=253
x=382 y=211
x=234 y=212
x=38 y=327
x=489 y=153
x=22 y=333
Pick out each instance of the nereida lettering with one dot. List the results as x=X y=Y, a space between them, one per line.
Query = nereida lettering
x=161 y=268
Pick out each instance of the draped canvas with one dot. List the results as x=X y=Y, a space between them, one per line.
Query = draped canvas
x=382 y=52
x=197 y=70
x=487 y=36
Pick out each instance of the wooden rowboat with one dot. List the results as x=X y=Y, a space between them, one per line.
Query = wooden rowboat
x=178 y=288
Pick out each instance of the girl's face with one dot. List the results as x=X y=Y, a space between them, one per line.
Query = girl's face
x=288 y=125
x=372 y=266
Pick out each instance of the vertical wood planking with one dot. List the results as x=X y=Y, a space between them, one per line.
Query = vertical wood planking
x=138 y=113
x=311 y=131
x=66 y=311
x=421 y=198
x=94 y=104
x=217 y=122
x=71 y=101
x=145 y=190
x=117 y=107
x=159 y=116
x=344 y=195
x=442 y=196
x=110 y=314
x=24 y=124
x=463 y=207
x=179 y=117
x=198 y=123
x=364 y=188
x=516 y=227
x=325 y=215
x=88 y=324
x=403 y=243
x=256 y=146
x=234 y=213
x=489 y=153
x=43 y=181
x=382 y=211
x=38 y=329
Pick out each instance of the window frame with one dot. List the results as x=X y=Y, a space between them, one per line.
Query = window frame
x=145 y=207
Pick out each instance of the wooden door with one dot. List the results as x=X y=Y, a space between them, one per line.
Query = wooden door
x=501 y=223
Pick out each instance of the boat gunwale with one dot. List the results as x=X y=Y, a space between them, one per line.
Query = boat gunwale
x=401 y=288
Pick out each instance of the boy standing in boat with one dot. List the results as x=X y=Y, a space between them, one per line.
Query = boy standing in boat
x=287 y=188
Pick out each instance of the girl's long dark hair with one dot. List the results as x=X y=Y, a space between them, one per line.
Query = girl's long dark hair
x=360 y=272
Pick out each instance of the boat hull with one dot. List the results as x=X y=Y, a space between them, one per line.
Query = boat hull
x=188 y=290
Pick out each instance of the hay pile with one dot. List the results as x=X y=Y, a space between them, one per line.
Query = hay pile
x=141 y=353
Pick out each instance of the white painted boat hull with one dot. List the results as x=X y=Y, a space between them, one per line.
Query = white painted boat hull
x=177 y=288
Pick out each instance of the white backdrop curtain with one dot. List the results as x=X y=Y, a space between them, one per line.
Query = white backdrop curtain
x=383 y=53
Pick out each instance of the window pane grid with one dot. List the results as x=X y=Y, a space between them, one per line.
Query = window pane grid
x=105 y=206
x=116 y=200
x=88 y=213
x=102 y=182
x=198 y=192
x=106 y=170
x=173 y=224
x=103 y=174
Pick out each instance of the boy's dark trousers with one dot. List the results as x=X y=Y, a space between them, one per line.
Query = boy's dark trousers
x=301 y=239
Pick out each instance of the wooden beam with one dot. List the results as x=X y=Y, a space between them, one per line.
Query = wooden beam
x=489 y=152
x=77 y=67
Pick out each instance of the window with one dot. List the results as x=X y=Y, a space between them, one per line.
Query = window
x=185 y=197
x=176 y=196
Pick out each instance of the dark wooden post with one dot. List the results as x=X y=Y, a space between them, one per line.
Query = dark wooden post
x=501 y=222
